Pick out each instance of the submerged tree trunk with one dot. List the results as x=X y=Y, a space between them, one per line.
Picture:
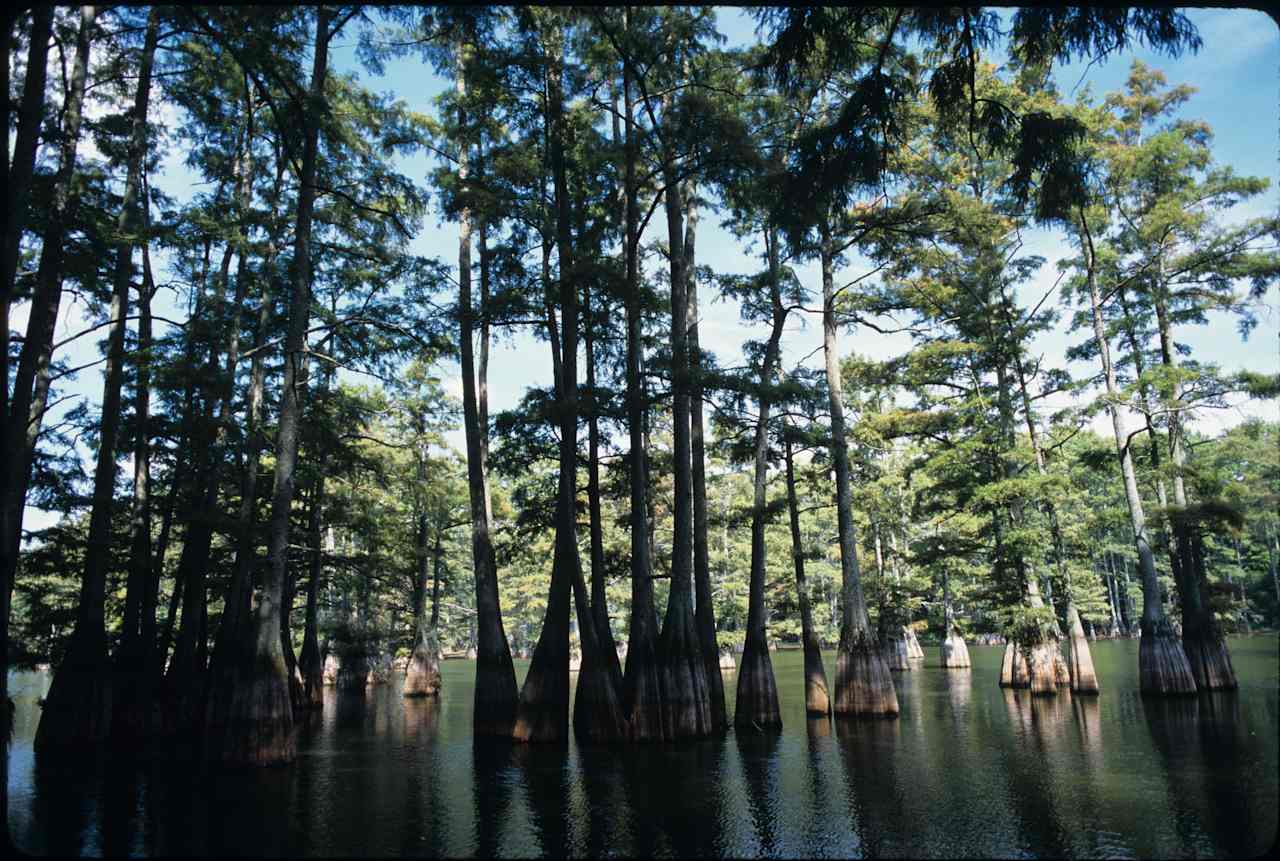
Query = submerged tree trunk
x=495 y=687
x=757 y=704
x=641 y=678
x=77 y=709
x=260 y=726
x=817 y=700
x=704 y=609
x=1162 y=663
x=863 y=683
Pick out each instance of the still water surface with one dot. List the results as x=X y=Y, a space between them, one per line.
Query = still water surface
x=968 y=770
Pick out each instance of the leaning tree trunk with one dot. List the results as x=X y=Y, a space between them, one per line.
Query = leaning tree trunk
x=77 y=709
x=704 y=609
x=863 y=683
x=310 y=664
x=641 y=679
x=495 y=688
x=422 y=675
x=757 y=704
x=1202 y=637
x=685 y=697
x=1162 y=663
x=817 y=700
x=260 y=728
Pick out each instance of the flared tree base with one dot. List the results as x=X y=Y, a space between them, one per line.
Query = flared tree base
x=864 y=685
x=914 y=650
x=955 y=654
x=260 y=726
x=598 y=715
x=896 y=654
x=1013 y=668
x=1080 y=662
x=135 y=714
x=1163 y=668
x=757 y=704
x=1210 y=661
x=76 y=714
x=1061 y=672
x=422 y=676
x=817 y=696
x=642 y=684
x=686 y=701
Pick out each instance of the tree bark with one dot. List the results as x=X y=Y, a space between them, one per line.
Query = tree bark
x=131 y=699
x=260 y=729
x=757 y=704
x=704 y=607
x=495 y=691
x=1202 y=637
x=863 y=686
x=642 y=678
x=684 y=674
x=817 y=700
x=77 y=709
x=1162 y=663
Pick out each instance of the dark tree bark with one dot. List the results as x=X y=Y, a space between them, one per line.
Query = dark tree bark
x=495 y=690
x=642 y=679
x=1162 y=662
x=131 y=701
x=1202 y=637
x=757 y=705
x=260 y=726
x=863 y=684
x=704 y=608
x=684 y=674
x=77 y=709
x=817 y=700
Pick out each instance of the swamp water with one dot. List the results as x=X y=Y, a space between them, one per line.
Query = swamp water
x=969 y=769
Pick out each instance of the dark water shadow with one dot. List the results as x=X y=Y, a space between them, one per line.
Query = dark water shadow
x=1038 y=723
x=422 y=830
x=607 y=815
x=676 y=791
x=543 y=770
x=758 y=754
x=868 y=750
x=492 y=771
x=1174 y=724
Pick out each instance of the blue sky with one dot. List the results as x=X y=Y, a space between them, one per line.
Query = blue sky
x=1237 y=76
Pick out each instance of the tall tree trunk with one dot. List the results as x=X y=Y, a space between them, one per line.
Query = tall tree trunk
x=77 y=709
x=863 y=683
x=227 y=664
x=642 y=678
x=704 y=608
x=18 y=177
x=599 y=576
x=260 y=730
x=684 y=673
x=817 y=700
x=24 y=406
x=131 y=697
x=1202 y=637
x=757 y=703
x=495 y=688
x=1162 y=664
x=955 y=654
